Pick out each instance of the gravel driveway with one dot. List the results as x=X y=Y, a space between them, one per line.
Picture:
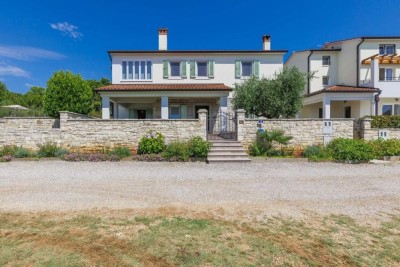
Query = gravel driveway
x=262 y=188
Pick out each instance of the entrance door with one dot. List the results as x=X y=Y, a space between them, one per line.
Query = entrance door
x=141 y=114
x=196 y=114
x=347 y=112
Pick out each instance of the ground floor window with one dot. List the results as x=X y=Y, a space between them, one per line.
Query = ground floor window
x=391 y=109
x=140 y=113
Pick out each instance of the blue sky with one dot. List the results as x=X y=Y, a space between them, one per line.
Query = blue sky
x=38 y=38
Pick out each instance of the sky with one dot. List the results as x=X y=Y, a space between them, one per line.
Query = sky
x=38 y=38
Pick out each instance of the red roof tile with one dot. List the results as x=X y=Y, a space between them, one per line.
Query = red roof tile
x=345 y=89
x=166 y=87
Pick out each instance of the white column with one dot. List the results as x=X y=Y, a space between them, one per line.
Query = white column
x=223 y=108
x=164 y=108
x=326 y=106
x=373 y=107
x=105 y=107
x=374 y=72
x=115 y=111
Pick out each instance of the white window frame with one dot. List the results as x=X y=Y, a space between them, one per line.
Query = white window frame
x=328 y=59
x=385 y=49
x=327 y=80
x=146 y=65
x=251 y=68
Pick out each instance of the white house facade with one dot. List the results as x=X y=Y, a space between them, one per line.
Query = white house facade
x=171 y=84
x=352 y=78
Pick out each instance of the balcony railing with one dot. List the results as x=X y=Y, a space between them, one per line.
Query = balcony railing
x=389 y=79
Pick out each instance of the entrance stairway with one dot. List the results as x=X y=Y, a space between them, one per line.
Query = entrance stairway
x=227 y=151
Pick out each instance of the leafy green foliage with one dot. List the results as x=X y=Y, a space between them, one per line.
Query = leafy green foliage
x=96 y=97
x=317 y=153
x=66 y=91
x=278 y=97
x=120 y=152
x=22 y=152
x=198 y=147
x=35 y=97
x=178 y=150
x=267 y=142
x=152 y=143
x=50 y=150
x=7 y=150
x=385 y=121
x=389 y=147
x=352 y=150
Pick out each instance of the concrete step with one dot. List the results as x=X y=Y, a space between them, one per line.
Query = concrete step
x=227 y=149
x=227 y=153
x=247 y=160
x=227 y=144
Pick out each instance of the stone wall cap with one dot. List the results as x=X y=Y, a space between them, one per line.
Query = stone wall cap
x=144 y=120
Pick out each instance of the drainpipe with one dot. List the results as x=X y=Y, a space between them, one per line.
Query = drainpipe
x=358 y=61
x=308 y=71
x=377 y=101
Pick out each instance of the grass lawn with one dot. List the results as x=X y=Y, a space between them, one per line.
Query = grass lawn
x=30 y=239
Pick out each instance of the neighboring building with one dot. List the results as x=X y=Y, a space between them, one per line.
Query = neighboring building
x=353 y=78
x=171 y=84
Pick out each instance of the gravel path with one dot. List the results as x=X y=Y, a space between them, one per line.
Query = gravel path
x=263 y=188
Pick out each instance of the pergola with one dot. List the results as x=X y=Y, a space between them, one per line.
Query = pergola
x=383 y=59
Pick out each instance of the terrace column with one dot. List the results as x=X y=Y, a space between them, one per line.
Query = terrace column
x=374 y=72
x=105 y=107
x=164 y=108
x=223 y=108
x=326 y=106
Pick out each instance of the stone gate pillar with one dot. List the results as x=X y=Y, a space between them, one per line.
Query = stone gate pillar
x=240 y=120
x=203 y=120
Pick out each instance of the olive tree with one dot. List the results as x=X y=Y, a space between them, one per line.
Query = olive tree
x=69 y=92
x=279 y=97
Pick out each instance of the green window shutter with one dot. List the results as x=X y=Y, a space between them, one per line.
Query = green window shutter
x=165 y=69
x=211 y=64
x=183 y=111
x=183 y=69
x=192 y=69
x=237 y=69
x=256 y=68
x=131 y=113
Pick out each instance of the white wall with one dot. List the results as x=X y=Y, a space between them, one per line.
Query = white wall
x=321 y=70
x=299 y=60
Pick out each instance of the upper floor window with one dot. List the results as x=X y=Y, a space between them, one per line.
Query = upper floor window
x=202 y=69
x=247 y=68
x=136 y=70
x=326 y=60
x=387 y=49
x=175 y=69
x=325 y=80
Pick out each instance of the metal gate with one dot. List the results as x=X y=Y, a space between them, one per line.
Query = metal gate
x=223 y=126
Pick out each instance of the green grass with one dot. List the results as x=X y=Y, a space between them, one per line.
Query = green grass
x=104 y=240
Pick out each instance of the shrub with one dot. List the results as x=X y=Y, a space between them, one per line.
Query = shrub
x=385 y=121
x=60 y=152
x=21 y=152
x=267 y=142
x=7 y=150
x=95 y=157
x=152 y=143
x=351 y=150
x=179 y=150
x=149 y=157
x=198 y=147
x=74 y=157
x=6 y=158
x=316 y=152
x=47 y=150
x=120 y=152
x=389 y=147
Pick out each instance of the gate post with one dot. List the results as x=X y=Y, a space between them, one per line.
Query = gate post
x=240 y=118
x=203 y=121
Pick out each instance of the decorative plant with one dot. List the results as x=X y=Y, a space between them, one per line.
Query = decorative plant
x=267 y=141
x=351 y=150
x=198 y=147
x=152 y=143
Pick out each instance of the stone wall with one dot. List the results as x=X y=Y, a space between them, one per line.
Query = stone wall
x=369 y=133
x=305 y=132
x=79 y=133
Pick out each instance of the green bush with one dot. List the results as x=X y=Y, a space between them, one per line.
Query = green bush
x=351 y=150
x=389 y=147
x=7 y=150
x=198 y=147
x=120 y=152
x=60 y=152
x=152 y=143
x=50 y=150
x=267 y=142
x=178 y=150
x=316 y=152
x=21 y=152
x=385 y=121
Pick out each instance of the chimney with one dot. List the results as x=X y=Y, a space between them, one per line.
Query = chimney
x=266 y=42
x=162 y=38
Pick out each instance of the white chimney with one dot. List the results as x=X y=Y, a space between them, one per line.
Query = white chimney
x=162 y=38
x=266 y=42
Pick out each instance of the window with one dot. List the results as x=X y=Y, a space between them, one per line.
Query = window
x=175 y=112
x=396 y=109
x=136 y=70
x=202 y=69
x=347 y=112
x=387 y=49
x=387 y=110
x=247 y=68
x=326 y=60
x=325 y=80
x=386 y=74
x=175 y=69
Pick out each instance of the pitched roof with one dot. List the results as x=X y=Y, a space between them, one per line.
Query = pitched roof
x=166 y=87
x=197 y=51
x=344 y=89
x=362 y=37
x=383 y=59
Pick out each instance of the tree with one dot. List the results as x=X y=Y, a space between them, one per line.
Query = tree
x=278 y=97
x=34 y=97
x=69 y=92
x=3 y=92
x=96 y=97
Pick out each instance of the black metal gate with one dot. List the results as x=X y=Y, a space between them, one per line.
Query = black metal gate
x=223 y=126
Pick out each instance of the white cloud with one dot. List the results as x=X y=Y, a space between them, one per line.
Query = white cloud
x=9 y=70
x=67 y=29
x=27 y=53
x=29 y=85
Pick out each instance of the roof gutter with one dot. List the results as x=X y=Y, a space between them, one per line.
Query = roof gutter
x=308 y=71
x=358 y=61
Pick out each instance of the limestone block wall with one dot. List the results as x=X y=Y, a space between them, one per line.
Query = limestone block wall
x=369 y=133
x=305 y=132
